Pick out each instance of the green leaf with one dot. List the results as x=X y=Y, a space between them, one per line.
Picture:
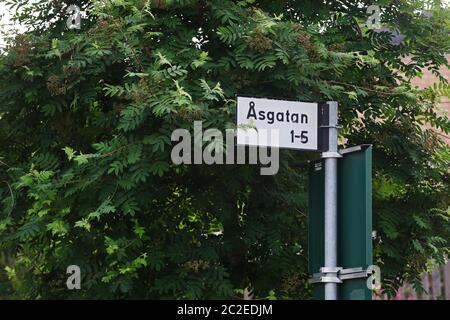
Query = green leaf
x=159 y=168
x=69 y=152
x=58 y=227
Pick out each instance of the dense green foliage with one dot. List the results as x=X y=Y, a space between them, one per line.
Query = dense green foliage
x=86 y=118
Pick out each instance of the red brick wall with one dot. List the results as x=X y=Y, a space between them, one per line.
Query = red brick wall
x=427 y=80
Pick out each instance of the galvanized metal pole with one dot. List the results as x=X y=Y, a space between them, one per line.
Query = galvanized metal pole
x=331 y=163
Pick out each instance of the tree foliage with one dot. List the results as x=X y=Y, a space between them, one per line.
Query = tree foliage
x=86 y=118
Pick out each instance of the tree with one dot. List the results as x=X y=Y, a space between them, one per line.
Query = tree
x=85 y=125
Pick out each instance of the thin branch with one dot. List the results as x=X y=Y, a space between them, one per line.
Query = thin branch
x=12 y=199
x=366 y=89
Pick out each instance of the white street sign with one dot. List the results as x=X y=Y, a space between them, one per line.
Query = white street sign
x=277 y=123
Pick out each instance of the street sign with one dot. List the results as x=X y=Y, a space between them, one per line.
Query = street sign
x=354 y=220
x=309 y=126
x=275 y=123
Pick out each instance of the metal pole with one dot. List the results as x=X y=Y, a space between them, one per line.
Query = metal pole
x=331 y=162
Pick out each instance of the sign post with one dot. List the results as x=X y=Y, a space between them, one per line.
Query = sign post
x=354 y=224
x=308 y=126
x=331 y=156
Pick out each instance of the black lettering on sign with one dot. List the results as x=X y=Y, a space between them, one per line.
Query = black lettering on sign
x=303 y=136
x=272 y=116
x=251 y=111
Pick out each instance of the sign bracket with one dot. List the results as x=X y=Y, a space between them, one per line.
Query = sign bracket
x=340 y=275
x=328 y=155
